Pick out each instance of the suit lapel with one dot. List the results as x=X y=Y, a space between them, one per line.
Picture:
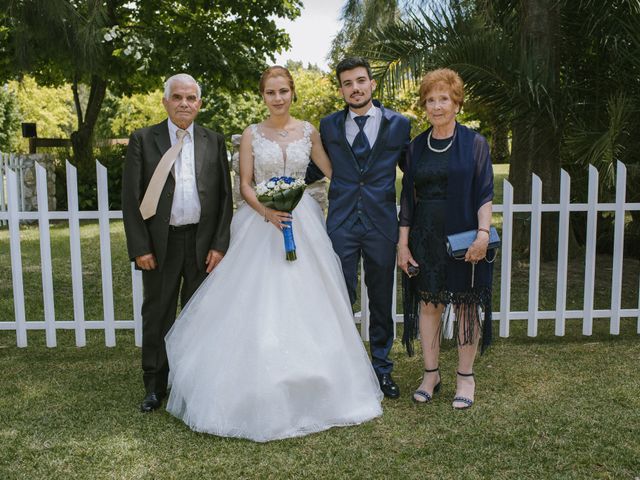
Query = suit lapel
x=163 y=142
x=381 y=139
x=200 y=140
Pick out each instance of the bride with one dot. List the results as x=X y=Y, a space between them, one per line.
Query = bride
x=267 y=349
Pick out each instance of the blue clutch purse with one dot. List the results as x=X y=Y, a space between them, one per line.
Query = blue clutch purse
x=459 y=243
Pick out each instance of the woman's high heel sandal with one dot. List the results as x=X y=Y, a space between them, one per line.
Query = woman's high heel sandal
x=467 y=401
x=426 y=395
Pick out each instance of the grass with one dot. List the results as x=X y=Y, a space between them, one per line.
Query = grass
x=547 y=407
x=91 y=270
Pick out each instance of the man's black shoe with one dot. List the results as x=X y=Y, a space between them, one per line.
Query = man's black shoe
x=388 y=386
x=151 y=402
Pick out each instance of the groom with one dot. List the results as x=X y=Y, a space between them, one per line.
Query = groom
x=176 y=206
x=365 y=142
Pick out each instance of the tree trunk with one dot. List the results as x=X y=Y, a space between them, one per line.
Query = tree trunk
x=500 y=142
x=82 y=139
x=536 y=133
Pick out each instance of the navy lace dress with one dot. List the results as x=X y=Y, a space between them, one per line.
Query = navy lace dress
x=427 y=236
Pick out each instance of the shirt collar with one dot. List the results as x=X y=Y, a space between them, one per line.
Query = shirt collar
x=372 y=112
x=173 y=128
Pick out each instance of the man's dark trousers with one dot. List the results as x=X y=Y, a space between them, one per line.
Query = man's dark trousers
x=379 y=258
x=161 y=290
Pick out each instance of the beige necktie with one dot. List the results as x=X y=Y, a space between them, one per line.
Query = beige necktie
x=152 y=195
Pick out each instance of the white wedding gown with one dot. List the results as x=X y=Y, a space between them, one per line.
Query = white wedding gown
x=267 y=349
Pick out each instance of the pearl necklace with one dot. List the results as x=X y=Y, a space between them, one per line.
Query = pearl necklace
x=439 y=150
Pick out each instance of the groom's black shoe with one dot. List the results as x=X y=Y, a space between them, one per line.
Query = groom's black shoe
x=388 y=386
x=151 y=402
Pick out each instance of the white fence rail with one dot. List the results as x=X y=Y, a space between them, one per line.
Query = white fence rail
x=13 y=214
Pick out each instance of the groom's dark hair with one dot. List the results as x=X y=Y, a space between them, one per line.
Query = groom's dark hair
x=350 y=63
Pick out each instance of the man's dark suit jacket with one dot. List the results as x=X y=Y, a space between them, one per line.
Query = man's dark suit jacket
x=146 y=147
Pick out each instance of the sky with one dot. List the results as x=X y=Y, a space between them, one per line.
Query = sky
x=312 y=32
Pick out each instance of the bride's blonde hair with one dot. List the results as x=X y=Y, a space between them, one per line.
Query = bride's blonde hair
x=277 y=71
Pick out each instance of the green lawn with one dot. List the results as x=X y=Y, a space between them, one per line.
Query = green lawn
x=546 y=407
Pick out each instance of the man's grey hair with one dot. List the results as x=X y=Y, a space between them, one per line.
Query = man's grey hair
x=180 y=77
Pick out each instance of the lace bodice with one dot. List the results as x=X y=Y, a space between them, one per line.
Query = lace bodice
x=277 y=156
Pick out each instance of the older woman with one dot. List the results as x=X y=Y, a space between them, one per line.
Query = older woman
x=447 y=189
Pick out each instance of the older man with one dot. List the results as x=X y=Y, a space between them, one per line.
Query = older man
x=177 y=207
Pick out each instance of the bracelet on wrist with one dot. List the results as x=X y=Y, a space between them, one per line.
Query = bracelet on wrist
x=485 y=230
x=265 y=215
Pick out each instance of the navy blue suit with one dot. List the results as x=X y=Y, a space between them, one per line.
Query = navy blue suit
x=363 y=220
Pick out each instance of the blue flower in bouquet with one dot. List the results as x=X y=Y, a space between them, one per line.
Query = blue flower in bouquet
x=283 y=194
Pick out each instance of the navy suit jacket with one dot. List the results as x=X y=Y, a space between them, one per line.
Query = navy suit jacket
x=374 y=184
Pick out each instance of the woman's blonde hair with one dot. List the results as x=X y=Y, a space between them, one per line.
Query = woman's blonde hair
x=446 y=76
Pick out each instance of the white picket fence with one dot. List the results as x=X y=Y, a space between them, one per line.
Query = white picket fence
x=13 y=214
x=10 y=161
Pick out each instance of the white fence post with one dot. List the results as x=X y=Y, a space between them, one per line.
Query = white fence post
x=76 y=255
x=16 y=260
x=3 y=197
x=394 y=301
x=46 y=268
x=505 y=259
x=534 y=255
x=590 y=252
x=618 y=249
x=563 y=252
x=105 y=256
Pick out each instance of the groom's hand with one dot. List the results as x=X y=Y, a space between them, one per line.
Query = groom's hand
x=213 y=258
x=146 y=262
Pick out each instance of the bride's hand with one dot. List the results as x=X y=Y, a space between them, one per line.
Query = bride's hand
x=277 y=218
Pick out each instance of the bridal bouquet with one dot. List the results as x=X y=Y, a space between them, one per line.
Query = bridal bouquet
x=282 y=193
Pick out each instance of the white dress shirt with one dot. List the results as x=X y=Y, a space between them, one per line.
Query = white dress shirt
x=371 y=127
x=185 y=208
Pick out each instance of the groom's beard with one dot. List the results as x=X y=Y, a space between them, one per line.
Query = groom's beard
x=360 y=104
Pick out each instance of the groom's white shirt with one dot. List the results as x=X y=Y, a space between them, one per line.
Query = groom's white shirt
x=371 y=128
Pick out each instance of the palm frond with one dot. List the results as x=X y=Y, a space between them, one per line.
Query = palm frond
x=604 y=147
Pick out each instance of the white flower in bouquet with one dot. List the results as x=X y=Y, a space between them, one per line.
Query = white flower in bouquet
x=261 y=189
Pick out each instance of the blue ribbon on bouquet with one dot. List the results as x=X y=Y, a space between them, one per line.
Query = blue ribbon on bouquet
x=289 y=242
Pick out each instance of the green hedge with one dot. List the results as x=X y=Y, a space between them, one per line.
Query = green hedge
x=112 y=157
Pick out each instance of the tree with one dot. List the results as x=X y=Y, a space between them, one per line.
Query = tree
x=9 y=134
x=128 y=46
x=358 y=18
x=50 y=107
x=317 y=94
x=120 y=116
